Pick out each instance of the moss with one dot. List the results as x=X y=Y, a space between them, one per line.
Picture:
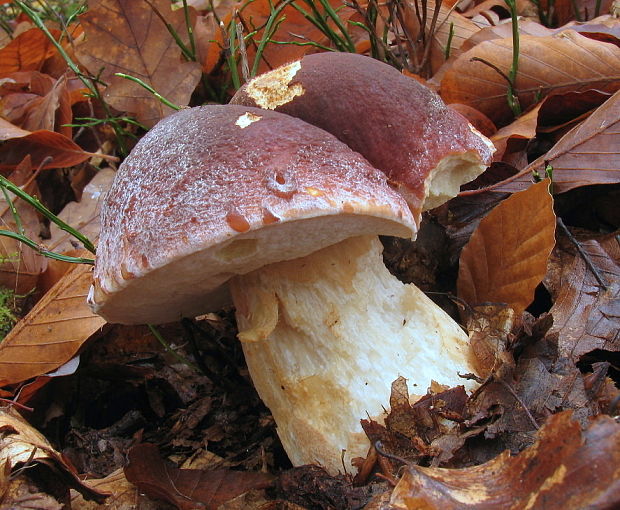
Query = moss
x=7 y=311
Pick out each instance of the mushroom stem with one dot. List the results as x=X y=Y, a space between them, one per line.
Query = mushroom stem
x=324 y=337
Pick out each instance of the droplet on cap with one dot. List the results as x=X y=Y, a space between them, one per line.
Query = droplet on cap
x=237 y=221
x=268 y=217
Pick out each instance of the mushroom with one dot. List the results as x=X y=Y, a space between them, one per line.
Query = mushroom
x=426 y=149
x=284 y=215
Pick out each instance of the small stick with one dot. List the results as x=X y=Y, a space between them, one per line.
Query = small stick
x=583 y=254
x=379 y=447
x=518 y=399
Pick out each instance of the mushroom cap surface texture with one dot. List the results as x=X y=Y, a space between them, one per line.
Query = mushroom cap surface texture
x=402 y=127
x=215 y=191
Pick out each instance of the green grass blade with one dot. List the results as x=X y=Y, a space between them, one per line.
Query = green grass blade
x=34 y=202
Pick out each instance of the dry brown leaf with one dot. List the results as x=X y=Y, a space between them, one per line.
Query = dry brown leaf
x=562 y=62
x=130 y=38
x=428 y=428
x=565 y=469
x=27 y=52
x=23 y=445
x=52 y=332
x=8 y=130
x=476 y=118
x=559 y=112
x=586 y=316
x=82 y=215
x=587 y=154
x=123 y=494
x=504 y=30
x=188 y=489
x=515 y=135
x=47 y=149
x=35 y=101
x=294 y=28
x=506 y=256
x=516 y=400
x=452 y=28
x=489 y=328
x=563 y=11
x=20 y=266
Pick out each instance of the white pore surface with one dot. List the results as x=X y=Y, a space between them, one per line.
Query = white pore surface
x=326 y=335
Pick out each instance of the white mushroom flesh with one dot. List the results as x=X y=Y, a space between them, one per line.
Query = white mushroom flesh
x=324 y=337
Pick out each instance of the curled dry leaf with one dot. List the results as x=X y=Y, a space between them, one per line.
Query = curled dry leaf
x=506 y=256
x=21 y=444
x=122 y=494
x=515 y=136
x=35 y=101
x=188 y=488
x=130 y=38
x=587 y=154
x=427 y=428
x=566 y=468
x=52 y=332
x=564 y=61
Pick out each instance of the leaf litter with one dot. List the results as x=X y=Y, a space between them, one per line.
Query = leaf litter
x=181 y=402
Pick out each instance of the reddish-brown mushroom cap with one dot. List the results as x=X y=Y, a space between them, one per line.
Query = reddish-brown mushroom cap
x=216 y=191
x=401 y=127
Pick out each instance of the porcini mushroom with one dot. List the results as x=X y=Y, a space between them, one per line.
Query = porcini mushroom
x=287 y=217
x=426 y=149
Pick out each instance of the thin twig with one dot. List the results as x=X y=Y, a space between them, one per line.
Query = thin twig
x=379 y=447
x=583 y=254
x=492 y=66
x=518 y=399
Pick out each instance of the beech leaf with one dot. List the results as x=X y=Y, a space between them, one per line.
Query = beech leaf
x=506 y=257
x=586 y=316
x=188 y=488
x=52 y=332
x=566 y=468
x=562 y=62
x=27 y=52
x=129 y=37
x=587 y=154
x=21 y=444
x=47 y=149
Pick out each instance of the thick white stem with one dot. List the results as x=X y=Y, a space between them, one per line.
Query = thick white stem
x=324 y=337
